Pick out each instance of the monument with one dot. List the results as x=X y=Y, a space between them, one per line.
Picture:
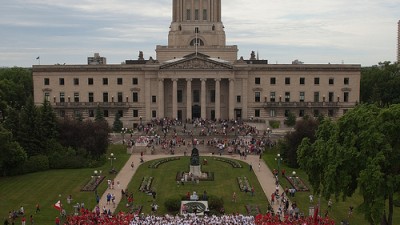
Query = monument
x=195 y=167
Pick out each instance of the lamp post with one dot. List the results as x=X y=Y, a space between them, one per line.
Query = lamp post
x=96 y=175
x=278 y=159
x=294 y=179
x=123 y=131
x=111 y=158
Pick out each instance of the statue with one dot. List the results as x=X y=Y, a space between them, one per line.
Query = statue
x=195 y=157
x=140 y=55
x=253 y=55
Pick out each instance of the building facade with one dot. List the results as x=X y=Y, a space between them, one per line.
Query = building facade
x=197 y=76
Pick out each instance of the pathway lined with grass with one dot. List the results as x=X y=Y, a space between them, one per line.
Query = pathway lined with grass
x=261 y=170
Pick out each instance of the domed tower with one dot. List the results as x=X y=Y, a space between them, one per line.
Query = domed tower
x=196 y=26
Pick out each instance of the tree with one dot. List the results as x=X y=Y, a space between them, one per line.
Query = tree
x=361 y=150
x=290 y=120
x=117 y=125
x=99 y=115
x=12 y=154
x=48 y=121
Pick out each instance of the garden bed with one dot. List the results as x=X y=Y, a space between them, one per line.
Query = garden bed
x=297 y=183
x=234 y=163
x=157 y=163
x=252 y=210
x=145 y=186
x=180 y=174
x=93 y=184
x=244 y=184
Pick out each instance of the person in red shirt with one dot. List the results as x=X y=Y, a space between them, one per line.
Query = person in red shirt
x=57 y=221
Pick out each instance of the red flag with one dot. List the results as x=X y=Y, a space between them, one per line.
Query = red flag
x=316 y=215
x=58 y=205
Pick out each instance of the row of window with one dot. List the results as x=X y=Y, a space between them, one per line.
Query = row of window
x=273 y=98
x=90 y=81
x=76 y=97
x=301 y=113
x=196 y=14
x=106 y=113
x=302 y=80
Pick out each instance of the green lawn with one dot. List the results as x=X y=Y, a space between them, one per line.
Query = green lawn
x=339 y=209
x=46 y=188
x=224 y=185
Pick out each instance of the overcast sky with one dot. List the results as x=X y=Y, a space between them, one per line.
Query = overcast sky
x=313 y=31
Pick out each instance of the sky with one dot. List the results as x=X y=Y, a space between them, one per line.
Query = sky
x=312 y=31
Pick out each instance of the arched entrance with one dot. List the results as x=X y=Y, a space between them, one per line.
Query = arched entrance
x=196 y=111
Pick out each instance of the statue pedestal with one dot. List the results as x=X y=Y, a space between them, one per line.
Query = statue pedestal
x=196 y=171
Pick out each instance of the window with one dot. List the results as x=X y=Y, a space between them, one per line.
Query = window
x=91 y=113
x=331 y=81
x=46 y=96
x=316 y=80
x=272 y=112
x=287 y=112
x=272 y=80
x=134 y=81
x=76 y=81
x=153 y=99
x=61 y=81
x=204 y=14
x=302 y=80
x=188 y=17
x=316 y=96
x=121 y=113
x=257 y=80
x=62 y=97
x=287 y=96
x=316 y=112
x=272 y=97
x=302 y=96
x=287 y=80
x=154 y=113
x=90 y=81
x=196 y=30
x=196 y=14
x=46 y=81
x=119 y=97
x=196 y=96
x=212 y=96
x=257 y=113
x=238 y=99
x=76 y=97
x=105 y=81
x=346 y=81
x=119 y=81
x=257 y=97
x=179 y=96
x=135 y=97
x=346 y=97
x=105 y=97
x=301 y=113
x=135 y=113
x=91 y=98
x=105 y=113
x=330 y=96
x=331 y=112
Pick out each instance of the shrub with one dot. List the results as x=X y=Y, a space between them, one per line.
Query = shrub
x=36 y=163
x=274 y=124
x=173 y=204
x=215 y=203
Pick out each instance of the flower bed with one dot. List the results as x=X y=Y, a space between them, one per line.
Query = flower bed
x=234 y=163
x=297 y=183
x=146 y=184
x=156 y=164
x=243 y=184
x=135 y=209
x=180 y=174
x=252 y=210
x=93 y=183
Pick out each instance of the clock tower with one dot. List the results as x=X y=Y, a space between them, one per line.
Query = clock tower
x=196 y=27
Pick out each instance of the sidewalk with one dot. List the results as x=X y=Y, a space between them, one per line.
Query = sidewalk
x=264 y=176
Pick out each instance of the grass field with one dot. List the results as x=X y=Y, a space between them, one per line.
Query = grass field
x=223 y=186
x=47 y=187
x=339 y=210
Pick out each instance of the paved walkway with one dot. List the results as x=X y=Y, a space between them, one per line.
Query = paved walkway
x=264 y=175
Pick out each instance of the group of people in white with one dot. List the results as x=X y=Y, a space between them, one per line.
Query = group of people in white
x=192 y=219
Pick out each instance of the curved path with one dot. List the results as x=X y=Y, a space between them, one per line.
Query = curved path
x=264 y=176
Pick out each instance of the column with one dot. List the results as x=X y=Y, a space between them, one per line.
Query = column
x=203 y=99
x=188 y=98
x=174 y=98
x=217 y=99
x=231 y=99
x=244 y=98
x=160 y=98
x=147 y=100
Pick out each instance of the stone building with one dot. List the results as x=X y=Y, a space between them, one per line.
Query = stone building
x=197 y=76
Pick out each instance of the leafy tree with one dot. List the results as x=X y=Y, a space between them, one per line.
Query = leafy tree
x=290 y=120
x=11 y=154
x=16 y=85
x=99 y=115
x=361 y=150
x=48 y=121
